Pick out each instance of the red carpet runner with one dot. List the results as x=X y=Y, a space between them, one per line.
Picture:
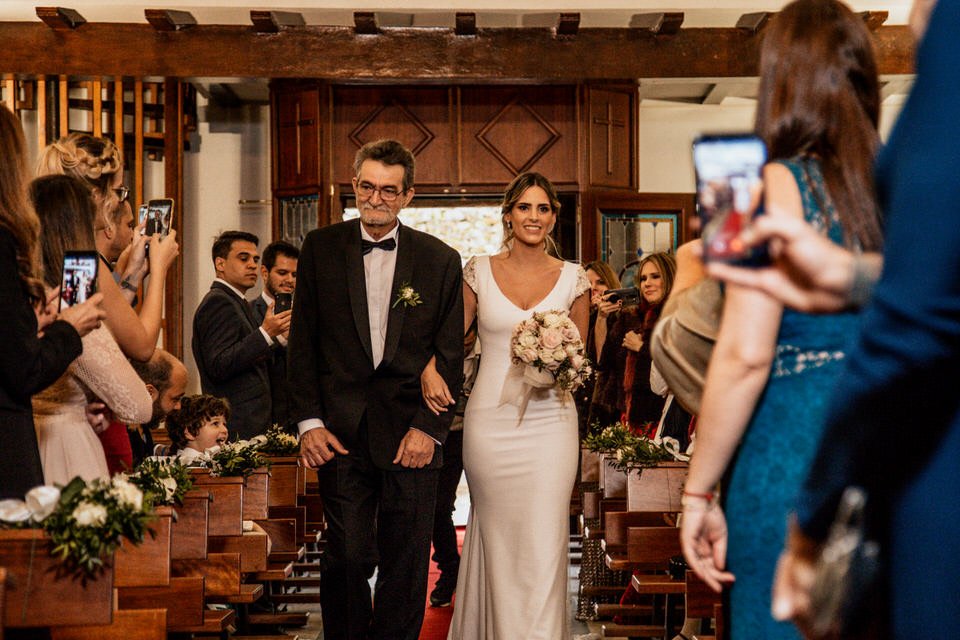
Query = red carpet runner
x=436 y=620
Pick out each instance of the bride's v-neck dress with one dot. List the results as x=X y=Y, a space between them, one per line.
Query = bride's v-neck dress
x=513 y=572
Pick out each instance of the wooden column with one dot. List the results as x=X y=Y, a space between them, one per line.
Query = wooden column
x=63 y=106
x=10 y=92
x=42 y=112
x=118 y=118
x=95 y=88
x=138 y=141
x=173 y=188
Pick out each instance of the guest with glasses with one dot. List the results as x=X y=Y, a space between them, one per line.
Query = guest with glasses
x=99 y=163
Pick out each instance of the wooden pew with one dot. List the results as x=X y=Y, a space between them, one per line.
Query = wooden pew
x=656 y=488
x=226 y=513
x=38 y=595
x=189 y=531
x=131 y=624
x=146 y=564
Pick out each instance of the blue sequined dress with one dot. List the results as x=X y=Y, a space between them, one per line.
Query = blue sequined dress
x=782 y=437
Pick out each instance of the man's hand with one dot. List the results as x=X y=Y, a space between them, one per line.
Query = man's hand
x=319 y=446
x=794 y=579
x=276 y=324
x=98 y=415
x=416 y=450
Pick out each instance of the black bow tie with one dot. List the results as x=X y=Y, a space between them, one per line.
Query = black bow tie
x=366 y=246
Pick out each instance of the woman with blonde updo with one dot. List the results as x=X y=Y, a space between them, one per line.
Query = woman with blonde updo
x=99 y=163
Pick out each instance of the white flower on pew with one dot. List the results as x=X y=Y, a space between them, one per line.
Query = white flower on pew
x=14 y=511
x=88 y=514
x=169 y=487
x=126 y=492
x=42 y=501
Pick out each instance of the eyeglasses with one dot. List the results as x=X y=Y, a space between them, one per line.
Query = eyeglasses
x=122 y=192
x=387 y=194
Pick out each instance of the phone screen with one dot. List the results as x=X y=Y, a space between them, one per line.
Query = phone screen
x=159 y=217
x=729 y=193
x=79 y=280
x=142 y=214
x=282 y=302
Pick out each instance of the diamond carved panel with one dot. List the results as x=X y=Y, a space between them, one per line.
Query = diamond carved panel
x=499 y=136
x=393 y=120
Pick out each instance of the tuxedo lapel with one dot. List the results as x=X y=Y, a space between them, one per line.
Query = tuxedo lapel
x=242 y=305
x=403 y=274
x=357 y=288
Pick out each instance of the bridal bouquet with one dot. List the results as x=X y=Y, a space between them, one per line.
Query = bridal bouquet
x=549 y=344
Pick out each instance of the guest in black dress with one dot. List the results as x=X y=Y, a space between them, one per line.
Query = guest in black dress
x=29 y=361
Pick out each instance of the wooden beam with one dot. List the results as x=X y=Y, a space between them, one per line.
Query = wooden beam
x=95 y=87
x=63 y=106
x=138 y=141
x=118 y=115
x=173 y=188
x=60 y=18
x=874 y=19
x=466 y=24
x=10 y=92
x=169 y=19
x=274 y=21
x=752 y=23
x=338 y=53
x=568 y=24
x=42 y=113
x=365 y=23
x=660 y=24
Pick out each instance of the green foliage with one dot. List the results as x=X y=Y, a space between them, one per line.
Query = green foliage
x=163 y=481
x=280 y=443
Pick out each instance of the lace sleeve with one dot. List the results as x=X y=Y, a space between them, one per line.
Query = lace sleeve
x=104 y=370
x=583 y=283
x=470 y=273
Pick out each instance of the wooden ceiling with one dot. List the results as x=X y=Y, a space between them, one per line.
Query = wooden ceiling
x=280 y=45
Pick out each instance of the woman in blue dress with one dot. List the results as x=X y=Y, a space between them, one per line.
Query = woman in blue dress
x=772 y=369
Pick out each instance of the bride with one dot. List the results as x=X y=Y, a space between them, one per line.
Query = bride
x=520 y=464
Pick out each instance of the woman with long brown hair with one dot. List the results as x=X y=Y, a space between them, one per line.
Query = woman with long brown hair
x=28 y=362
x=772 y=369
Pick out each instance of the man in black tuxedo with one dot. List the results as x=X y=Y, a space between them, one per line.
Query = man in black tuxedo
x=278 y=272
x=231 y=348
x=375 y=301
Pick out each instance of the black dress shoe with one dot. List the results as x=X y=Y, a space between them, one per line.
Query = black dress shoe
x=442 y=594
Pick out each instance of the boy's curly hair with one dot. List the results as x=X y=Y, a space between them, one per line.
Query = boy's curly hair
x=189 y=418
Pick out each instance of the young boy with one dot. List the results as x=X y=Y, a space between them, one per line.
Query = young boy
x=199 y=424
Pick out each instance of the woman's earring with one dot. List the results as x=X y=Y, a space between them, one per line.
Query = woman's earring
x=509 y=226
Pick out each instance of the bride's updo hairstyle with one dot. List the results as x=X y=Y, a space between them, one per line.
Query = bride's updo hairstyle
x=94 y=160
x=512 y=195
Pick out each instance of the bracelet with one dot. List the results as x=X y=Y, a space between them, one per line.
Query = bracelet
x=129 y=286
x=703 y=496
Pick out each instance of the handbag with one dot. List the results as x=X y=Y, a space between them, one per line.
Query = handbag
x=846 y=575
x=683 y=340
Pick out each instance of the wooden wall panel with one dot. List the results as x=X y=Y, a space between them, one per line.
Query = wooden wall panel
x=612 y=137
x=419 y=117
x=508 y=130
x=298 y=138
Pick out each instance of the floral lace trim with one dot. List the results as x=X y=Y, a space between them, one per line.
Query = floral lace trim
x=470 y=273
x=790 y=360
x=583 y=283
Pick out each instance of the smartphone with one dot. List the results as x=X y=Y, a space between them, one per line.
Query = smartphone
x=159 y=217
x=630 y=296
x=729 y=193
x=282 y=302
x=79 y=280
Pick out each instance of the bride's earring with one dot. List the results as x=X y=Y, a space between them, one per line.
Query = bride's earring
x=509 y=226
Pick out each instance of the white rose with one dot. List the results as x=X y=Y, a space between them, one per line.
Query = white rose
x=571 y=349
x=259 y=440
x=546 y=357
x=528 y=340
x=42 y=501
x=559 y=354
x=14 y=511
x=88 y=514
x=169 y=487
x=127 y=494
x=576 y=361
x=551 y=319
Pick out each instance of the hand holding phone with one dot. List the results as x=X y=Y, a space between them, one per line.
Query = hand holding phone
x=729 y=193
x=630 y=296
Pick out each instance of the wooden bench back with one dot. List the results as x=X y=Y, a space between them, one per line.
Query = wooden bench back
x=652 y=546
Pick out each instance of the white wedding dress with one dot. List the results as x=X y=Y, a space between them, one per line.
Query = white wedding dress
x=513 y=573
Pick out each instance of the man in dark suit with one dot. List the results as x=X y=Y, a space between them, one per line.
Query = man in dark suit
x=375 y=301
x=231 y=348
x=278 y=272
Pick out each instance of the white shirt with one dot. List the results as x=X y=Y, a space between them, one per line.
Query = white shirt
x=378 y=269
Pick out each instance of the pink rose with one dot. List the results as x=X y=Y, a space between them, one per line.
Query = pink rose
x=570 y=333
x=576 y=362
x=551 y=339
x=528 y=355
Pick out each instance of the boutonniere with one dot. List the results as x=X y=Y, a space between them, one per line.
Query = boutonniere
x=407 y=296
